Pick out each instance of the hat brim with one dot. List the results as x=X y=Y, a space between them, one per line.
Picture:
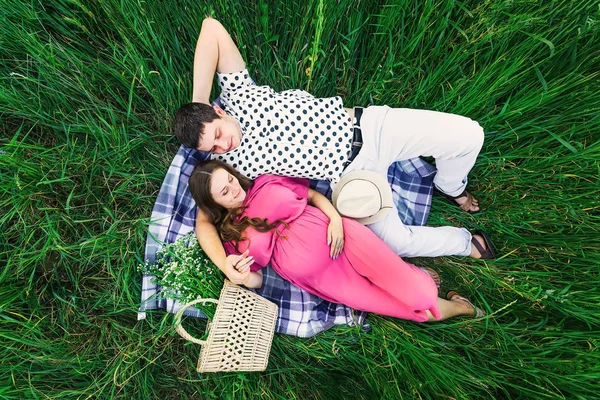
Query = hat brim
x=375 y=217
x=385 y=193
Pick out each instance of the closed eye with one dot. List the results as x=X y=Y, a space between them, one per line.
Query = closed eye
x=217 y=135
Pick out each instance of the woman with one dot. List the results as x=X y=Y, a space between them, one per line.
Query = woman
x=268 y=221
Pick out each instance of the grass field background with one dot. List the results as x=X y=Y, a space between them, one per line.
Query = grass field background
x=87 y=94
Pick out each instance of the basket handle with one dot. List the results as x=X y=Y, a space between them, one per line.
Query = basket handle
x=180 y=329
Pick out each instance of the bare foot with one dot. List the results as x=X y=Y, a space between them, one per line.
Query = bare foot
x=466 y=305
x=468 y=308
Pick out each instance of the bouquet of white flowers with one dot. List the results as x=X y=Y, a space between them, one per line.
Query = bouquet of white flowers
x=185 y=272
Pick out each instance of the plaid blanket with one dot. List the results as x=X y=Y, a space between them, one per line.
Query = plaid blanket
x=300 y=313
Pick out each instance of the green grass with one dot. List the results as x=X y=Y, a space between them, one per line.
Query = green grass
x=87 y=93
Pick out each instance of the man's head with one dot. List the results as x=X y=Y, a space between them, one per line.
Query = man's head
x=208 y=128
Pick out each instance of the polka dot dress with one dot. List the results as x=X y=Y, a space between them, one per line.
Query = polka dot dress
x=290 y=133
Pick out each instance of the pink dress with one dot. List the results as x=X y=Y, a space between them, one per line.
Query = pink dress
x=367 y=275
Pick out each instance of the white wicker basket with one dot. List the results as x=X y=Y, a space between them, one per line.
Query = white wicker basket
x=240 y=333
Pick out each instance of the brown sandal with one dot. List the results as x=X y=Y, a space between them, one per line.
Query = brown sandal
x=454 y=295
x=486 y=254
x=466 y=206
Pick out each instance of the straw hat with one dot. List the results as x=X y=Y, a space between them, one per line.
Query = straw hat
x=364 y=196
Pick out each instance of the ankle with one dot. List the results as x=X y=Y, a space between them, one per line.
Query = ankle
x=474 y=252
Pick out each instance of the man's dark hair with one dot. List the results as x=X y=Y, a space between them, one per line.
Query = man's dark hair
x=189 y=122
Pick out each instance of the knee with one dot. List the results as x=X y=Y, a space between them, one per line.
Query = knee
x=476 y=136
x=396 y=236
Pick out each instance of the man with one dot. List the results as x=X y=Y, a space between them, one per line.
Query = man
x=292 y=133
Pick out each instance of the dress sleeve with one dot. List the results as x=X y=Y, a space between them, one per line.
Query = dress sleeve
x=297 y=185
x=276 y=197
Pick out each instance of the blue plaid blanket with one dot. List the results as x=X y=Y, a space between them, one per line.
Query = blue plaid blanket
x=300 y=313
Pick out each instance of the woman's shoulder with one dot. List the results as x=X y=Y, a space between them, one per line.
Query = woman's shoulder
x=272 y=184
x=268 y=178
x=263 y=187
x=272 y=180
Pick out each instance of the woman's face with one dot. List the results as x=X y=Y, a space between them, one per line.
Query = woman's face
x=226 y=190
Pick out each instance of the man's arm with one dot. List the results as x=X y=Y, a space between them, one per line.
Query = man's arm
x=215 y=52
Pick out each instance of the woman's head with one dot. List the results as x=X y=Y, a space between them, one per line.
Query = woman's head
x=219 y=192
x=217 y=188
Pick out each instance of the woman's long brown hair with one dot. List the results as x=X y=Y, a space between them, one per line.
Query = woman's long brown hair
x=227 y=221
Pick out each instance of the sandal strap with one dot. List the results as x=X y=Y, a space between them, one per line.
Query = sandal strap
x=485 y=253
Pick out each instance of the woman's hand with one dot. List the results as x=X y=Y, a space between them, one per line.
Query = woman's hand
x=237 y=268
x=335 y=230
x=335 y=237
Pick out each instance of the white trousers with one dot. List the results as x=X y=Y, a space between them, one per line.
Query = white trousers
x=393 y=134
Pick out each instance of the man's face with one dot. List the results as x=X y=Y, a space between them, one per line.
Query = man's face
x=221 y=135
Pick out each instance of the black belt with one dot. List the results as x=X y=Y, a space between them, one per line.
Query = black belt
x=357 y=140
